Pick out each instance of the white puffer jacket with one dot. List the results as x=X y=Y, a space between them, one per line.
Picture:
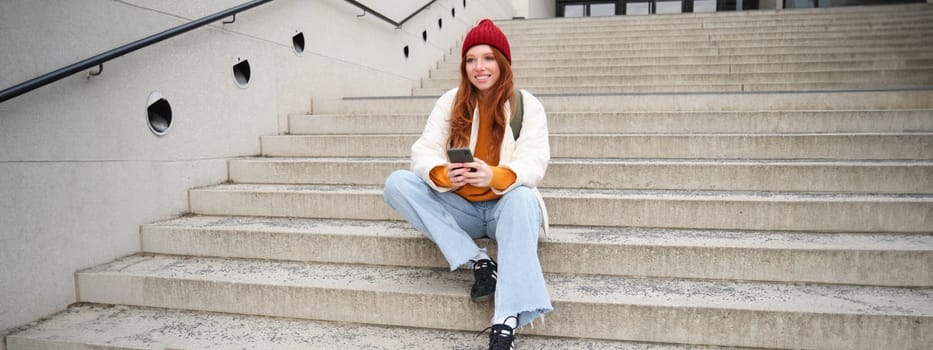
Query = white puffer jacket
x=528 y=156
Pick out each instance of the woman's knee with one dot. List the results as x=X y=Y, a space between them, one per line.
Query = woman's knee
x=520 y=200
x=521 y=194
x=398 y=181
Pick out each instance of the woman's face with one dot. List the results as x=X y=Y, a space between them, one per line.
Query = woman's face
x=481 y=67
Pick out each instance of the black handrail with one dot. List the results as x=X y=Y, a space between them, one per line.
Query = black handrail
x=99 y=60
x=366 y=10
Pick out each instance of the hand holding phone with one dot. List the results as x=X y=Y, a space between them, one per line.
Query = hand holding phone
x=460 y=155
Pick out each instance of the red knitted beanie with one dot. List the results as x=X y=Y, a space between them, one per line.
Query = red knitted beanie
x=487 y=33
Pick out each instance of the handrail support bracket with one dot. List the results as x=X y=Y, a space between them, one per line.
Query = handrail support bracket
x=92 y=73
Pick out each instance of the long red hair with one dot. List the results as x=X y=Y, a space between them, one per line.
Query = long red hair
x=461 y=115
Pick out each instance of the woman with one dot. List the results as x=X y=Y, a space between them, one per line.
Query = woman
x=492 y=196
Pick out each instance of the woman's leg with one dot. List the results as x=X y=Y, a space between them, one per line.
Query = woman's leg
x=521 y=288
x=446 y=218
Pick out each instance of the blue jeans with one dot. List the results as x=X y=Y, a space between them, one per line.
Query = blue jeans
x=453 y=223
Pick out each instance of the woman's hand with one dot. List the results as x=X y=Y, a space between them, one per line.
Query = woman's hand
x=460 y=174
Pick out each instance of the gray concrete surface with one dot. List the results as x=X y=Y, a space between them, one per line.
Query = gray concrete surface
x=99 y=327
x=746 y=263
x=748 y=121
x=739 y=314
x=839 y=146
x=883 y=259
x=660 y=174
x=794 y=211
x=79 y=168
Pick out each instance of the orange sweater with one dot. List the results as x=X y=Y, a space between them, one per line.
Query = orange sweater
x=502 y=178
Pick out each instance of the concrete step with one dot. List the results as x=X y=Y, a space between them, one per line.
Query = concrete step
x=626 y=52
x=749 y=27
x=754 y=35
x=703 y=32
x=867 y=146
x=789 y=121
x=885 y=259
x=727 y=210
x=831 y=212
x=694 y=102
x=921 y=76
x=720 y=19
x=725 y=37
x=863 y=11
x=699 y=88
x=837 y=12
x=678 y=174
x=453 y=75
x=835 y=86
x=617 y=308
x=639 y=34
x=702 y=52
x=547 y=62
x=887 y=40
x=86 y=326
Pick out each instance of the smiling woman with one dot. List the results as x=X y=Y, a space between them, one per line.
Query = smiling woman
x=489 y=193
x=482 y=68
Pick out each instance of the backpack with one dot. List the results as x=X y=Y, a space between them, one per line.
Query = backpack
x=518 y=112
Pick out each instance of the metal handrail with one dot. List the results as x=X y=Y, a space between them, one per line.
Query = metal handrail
x=99 y=59
x=366 y=10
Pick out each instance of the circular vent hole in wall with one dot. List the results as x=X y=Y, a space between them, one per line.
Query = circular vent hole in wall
x=241 y=73
x=159 y=113
x=298 y=43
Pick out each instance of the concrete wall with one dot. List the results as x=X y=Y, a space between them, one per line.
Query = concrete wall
x=535 y=8
x=79 y=168
x=542 y=9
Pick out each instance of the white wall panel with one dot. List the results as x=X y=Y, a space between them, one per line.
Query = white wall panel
x=79 y=168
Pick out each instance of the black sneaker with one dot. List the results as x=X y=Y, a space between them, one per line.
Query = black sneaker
x=502 y=336
x=484 y=287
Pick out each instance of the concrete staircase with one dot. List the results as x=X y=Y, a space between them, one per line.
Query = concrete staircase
x=691 y=214
x=725 y=52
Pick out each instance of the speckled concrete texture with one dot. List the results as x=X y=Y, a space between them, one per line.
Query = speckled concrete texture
x=686 y=207
x=912 y=146
x=733 y=313
x=751 y=121
x=607 y=103
x=737 y=210
x=786 y=211
x=699 y=37
x=650 y=174
x=885 y=259
x=100 y=327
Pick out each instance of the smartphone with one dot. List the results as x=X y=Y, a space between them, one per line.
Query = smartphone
x=460 y=155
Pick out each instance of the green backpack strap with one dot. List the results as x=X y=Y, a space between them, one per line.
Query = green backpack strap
x=517 y=114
